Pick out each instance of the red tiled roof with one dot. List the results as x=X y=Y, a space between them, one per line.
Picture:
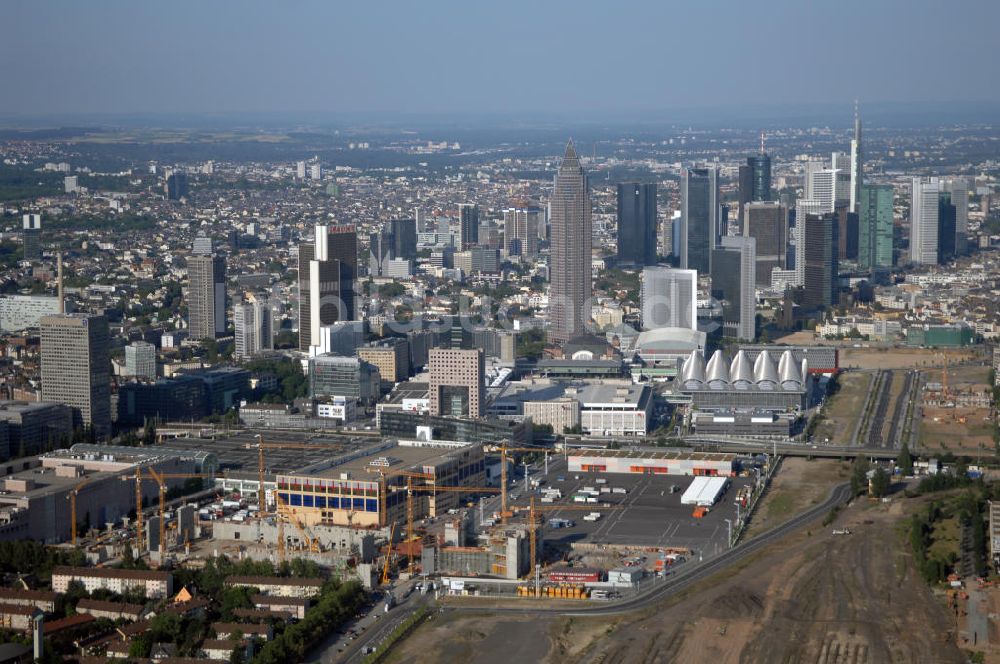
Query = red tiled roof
x=68 y=623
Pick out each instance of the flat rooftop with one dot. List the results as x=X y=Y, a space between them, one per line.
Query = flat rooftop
x=393 y=459
x=410 y=389
x=611 y=395
x=238 y=456
x=650 y=454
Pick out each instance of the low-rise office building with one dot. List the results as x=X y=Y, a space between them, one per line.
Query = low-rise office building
x=32 y=425
x=657 y=463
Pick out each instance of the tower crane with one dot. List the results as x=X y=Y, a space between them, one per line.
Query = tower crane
x=284 y=511
x=504 y=449
x=533 y=520
x=261 y=446
x=161 y=480
x=388 y=555
x=72 y=508
x=410 y=489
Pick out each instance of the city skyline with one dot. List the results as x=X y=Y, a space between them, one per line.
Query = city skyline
x=71 y=56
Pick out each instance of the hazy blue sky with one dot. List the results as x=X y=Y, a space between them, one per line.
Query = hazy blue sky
x=508 y=56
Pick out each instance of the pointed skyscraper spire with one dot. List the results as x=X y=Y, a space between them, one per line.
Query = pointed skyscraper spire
x=570 y=150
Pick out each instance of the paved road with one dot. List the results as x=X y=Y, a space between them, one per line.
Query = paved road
x=977 y=626
x=369 y=630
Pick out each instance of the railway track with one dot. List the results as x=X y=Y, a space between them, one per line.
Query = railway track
x=696 y=572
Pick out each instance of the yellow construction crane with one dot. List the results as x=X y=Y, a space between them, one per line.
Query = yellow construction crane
x=388 y=555
x=72 y=508
x=410 y=489
x=160 y=479
x=533 y=520
x=504 y=449
x=261 y=446
x=285 y=511
x=139 y=535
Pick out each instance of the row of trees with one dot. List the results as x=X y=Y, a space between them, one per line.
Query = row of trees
x=29 y=557
x=337 y=604
x=968 y=508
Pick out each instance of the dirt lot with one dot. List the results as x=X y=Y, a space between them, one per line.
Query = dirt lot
x=798 y=484
x=950 y=434
x=899 y=358
x=841 y=413
x=814 y=597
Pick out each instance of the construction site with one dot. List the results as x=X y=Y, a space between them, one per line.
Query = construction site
x=815 y=596
x=492 y=517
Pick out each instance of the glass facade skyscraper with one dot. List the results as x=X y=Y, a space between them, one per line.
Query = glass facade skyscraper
x=699 y=217
x=760 y=168
x=875 y=227
x=637 y=223
x=328 y=267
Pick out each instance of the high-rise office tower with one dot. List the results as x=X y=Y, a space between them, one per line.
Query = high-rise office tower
x=946 y=227
x=254 y=332
x=699 y=217
x=767 y=223
x=328 y=267
x=140 y=360
x=572 y=240
x=522 y=224
x=760 y=175
x=840 y=161
x=875 y=227
x=820 y=262
x=404 y=238
x=468 y=228
x=202 y=245
x=812 y=166
x=396 y=241
x=744 y=191
x=669 y=298
x=830 y=186
x=637 y=223
x=206 y=296
x=734 y=266
x=316 y=172
x=959 y=190
x=76 y=368
x=857 y=165
x=176 y=186
x=803 y=208
x=457 y=380
x=924 y=199
x=379 y=254
x=847 y=225
x=31 y=234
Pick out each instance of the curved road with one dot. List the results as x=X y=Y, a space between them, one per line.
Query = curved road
x=695 y=573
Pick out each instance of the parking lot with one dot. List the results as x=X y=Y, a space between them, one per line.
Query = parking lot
x=648 y=515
